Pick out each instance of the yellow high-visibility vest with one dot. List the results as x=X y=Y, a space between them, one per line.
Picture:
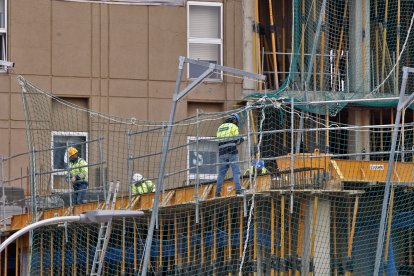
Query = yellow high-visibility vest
x=227 y=130
x=228 y=138
x=79 y=167
x=144 y=187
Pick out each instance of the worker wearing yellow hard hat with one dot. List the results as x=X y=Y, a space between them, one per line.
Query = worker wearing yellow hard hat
x=78 y=174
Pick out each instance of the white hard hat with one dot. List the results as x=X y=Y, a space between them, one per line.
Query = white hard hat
x=137 y=177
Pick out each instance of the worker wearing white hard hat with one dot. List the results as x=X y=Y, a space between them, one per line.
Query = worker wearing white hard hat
x=258 y=166
x=140 y=185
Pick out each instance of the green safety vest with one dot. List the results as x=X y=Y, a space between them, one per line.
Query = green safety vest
x=79 y=167
x=143 y=187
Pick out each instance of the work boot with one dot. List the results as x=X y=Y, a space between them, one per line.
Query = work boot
x=218 y=194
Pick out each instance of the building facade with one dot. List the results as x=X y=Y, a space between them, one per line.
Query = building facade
x=115 y=58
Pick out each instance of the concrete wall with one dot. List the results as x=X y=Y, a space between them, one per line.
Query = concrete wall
x=122 y=58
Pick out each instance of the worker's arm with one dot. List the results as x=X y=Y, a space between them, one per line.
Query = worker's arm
x=235 y=133
x=83 y=170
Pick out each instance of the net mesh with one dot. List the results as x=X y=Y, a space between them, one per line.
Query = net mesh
x=336 y=50
x=316 y=209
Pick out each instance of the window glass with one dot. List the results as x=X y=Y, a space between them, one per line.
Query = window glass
x=204 y=22
x=3 y=14
x=205 y=38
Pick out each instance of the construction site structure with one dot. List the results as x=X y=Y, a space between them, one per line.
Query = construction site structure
x=333 y=124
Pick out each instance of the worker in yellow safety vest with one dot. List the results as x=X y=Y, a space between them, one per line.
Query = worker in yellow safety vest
x=141 y=185
x=228 y=140
x=78 y=174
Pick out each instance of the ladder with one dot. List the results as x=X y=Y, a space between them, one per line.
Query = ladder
x=104 y=232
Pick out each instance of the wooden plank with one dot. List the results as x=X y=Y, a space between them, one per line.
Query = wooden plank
x=168 y=197
x=255 y=237
x=384 y=44
x=241 y=223
x=161 y=231
x=387 y=240
x=301 y=229
x=188 y=237
x=214 y=239
x=290 y=239
x=203 y=257
x=313 y=236
x=135 y=248
x=273 y=39
x=206 y=191
x=272 y=233
x=282 y=231
x=352 y=232
x=322 y=56
x=87 y=249
x=16 y=264
x=410 y=248
x=175 y=241
x=229 y=234
x=338 y=53
x=134 y=202
x=62 y=264
x=41 y=256
x=335 y=255
x=123 y=247
x=74 y=243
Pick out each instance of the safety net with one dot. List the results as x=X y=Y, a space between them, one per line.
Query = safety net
x=312 y=198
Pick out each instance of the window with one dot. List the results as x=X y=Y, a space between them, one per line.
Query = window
x=3 y=32
x=61 y=140
x=204 y=36
x=205 y=156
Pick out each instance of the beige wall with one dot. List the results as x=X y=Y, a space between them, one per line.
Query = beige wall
x=123 y=58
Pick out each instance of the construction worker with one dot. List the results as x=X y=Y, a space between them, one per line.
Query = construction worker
x=141 y=185
x=228 y=138
x=78 y=174
x=258 y=165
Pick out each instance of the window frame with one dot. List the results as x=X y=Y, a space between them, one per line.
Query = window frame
x=193 y=176
x=210 y=41
x=67 y=134
x=3 y=32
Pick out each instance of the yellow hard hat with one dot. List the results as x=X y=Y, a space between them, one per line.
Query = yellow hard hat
x=72 y=151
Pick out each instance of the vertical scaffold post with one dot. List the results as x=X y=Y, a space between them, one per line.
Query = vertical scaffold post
x=33 y=184
x=68 y=177
x=129 y=157
x=102 y=167
x=197 y=169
